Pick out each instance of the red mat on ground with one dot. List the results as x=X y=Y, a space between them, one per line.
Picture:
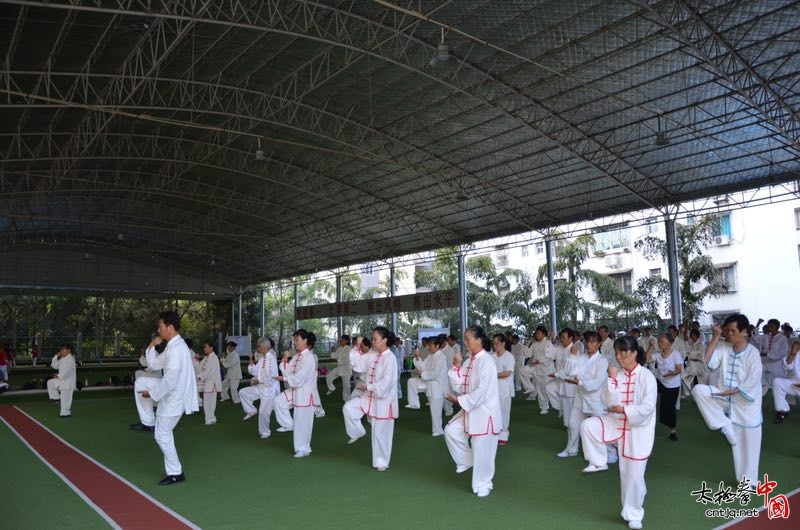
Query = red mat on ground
x=118 y=502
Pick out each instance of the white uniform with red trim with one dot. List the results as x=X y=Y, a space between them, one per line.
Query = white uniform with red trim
x=210 y=384
x=587 y=400
x=264 y=370
x=472 y=434
x=378 y=403
x=632 y=432
x=300 y=376
x=534 y=375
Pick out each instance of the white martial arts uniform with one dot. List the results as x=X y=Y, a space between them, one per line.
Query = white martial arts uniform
x=300 y=376
x=786 y=386
x=505 y=389
x=263 y=387
x=233 y=376
x=146 y=371
x=518 y=352
x=740 y=412
x=378 y=402
x=632 y=432
x=415 y=385
x=535 y=373
x=560 y=393
x=587 y=401
x=210 y=384
x=62 y=386
x=774 y=349
x=607 y=350
x=472 y=434
x=342 y=369
x=695 y=367
x=434 y=376
x=175 y=393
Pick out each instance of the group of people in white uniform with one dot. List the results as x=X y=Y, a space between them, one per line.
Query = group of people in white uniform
x=603 y=389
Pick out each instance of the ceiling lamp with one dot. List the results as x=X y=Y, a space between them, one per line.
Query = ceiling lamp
x=661 y=136
x=442 y=56
x=259 y=151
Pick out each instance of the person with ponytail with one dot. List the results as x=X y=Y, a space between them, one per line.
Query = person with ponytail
x=472 y=434
x=630 y=399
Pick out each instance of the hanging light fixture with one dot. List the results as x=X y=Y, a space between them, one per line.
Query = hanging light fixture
x=442 y=56
x=661 y=136
x=259 y=151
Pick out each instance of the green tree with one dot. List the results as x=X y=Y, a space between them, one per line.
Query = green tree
x=694 y=268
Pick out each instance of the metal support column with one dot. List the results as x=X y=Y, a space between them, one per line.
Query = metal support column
x=340 y=318
x=296 y=301
x=233 y=316
x=551 y=285
x=240 y=314
x=263 y=329
x=672 y=267
x=462 y=294
x=393 y=315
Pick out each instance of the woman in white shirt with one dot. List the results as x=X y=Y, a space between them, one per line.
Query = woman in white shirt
x=669 y=364
x=505 y=362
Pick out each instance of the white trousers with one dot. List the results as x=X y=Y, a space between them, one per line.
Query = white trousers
x=145 y=406
x=559 y=401
x=747 y=450
x=166 y=441
x=62 y=391
x=437 y=406
x=302 y=423
x=248 y=396
x=477 y=452
x=230 y=385
x=781 y=388
x=519 y=363
x=415 y=386
x=382 y=432
x=210 y=405
x=345 y=374
x=631 y=472
x=505 y=413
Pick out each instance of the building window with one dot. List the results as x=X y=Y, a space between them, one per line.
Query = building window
x=797 y=218
x=541 y=289
x=798 y=253
x=539 y=248
x=651 y=228
x=655 y=273
x=526 y=251
x=723 y=228
x=728 y=275
x=612 y=239
x=624 y=281
x=502 y=260
x=368 y=269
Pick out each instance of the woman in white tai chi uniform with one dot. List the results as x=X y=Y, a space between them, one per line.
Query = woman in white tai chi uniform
x=734 y=407
x=505 y=362
x=630 y=398
x=209 y=381
x=472 y=434
x=434 y=375
x=300 y=376
x=263 y=367
x=378 y=400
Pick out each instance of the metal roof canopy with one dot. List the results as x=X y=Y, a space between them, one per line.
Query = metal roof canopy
x=129 y=130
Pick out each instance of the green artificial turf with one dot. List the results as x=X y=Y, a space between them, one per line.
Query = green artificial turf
x=235 y=479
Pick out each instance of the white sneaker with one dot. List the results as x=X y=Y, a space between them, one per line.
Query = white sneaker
x=329 y=392
x=461 y=469
x=351 y=441
x=543 y=412
x=436 y=434
x=530 y=397
x=319 y=413
x=484 y=492
x=248 y=416
x=565 y=454
x=301 y=454
x=728 y=433
x=529 y=391
x=284 y=429
x=265 y=436
x=635 y=525
x=212 y=421
x=381 y=468
x=593 y=469
x=412 y=407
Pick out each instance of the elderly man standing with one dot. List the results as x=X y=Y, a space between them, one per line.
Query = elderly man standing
x=175 y=392
x=263 y=367
x=62 y=385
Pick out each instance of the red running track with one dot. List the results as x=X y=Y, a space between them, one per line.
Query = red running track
x=117 y=501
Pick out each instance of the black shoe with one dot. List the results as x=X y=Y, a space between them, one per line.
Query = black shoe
x=171 y=479
x=780 y=416
x=142 y=427
x=673 y=436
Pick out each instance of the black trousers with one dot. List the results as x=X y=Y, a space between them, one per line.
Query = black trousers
x=666 y=408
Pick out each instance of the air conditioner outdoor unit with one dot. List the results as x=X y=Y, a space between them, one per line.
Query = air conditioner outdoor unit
x=721 y=240
x=613 y=261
